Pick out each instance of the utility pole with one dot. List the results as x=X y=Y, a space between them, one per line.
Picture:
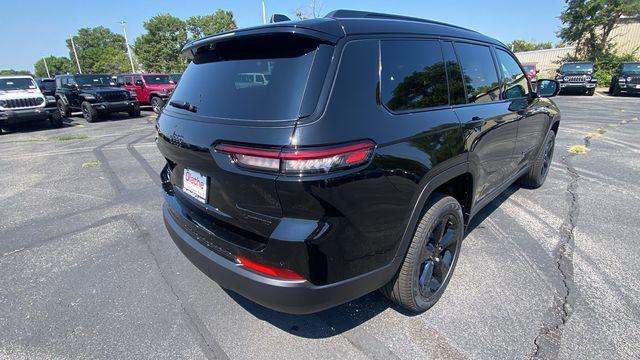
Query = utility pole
x=126 y=41
x=73 y=46
x=46 y=67
x=264 y=12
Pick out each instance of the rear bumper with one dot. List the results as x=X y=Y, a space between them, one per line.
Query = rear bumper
x=25 y=115
x=115 y=106
x=289 y=296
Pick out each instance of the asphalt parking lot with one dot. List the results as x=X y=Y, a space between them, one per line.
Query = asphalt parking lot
x=87 y=269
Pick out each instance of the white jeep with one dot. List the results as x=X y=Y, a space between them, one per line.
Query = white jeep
x=22 y=101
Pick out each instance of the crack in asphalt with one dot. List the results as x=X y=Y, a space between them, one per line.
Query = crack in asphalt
x=547 y=342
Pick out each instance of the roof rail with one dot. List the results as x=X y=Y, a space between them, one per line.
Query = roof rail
x=343 y=14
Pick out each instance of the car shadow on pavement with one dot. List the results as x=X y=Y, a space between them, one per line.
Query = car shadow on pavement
x=35 y=126
x=326 y=323
x=354 y=313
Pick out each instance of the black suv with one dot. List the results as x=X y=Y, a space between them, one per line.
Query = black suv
x=93 y=95
x=577 y=77
x=47 y=86
x=627 y=79
x=355 y=164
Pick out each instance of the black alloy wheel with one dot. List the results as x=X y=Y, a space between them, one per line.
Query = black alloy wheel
x=431 y=257
x=437 y=257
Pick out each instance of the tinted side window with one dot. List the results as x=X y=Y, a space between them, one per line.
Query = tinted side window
x=514 y=80
x=413 y=75
x=480 y=75
x=454 y=73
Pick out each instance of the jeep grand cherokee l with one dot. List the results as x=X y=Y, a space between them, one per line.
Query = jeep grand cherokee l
x=94 y=95
x=577 y=77
x=21 y=101
x=356 y=165
x=626 y=79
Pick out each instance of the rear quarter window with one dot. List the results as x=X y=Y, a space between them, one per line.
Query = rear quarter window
x=413 y=75
x=480 y=76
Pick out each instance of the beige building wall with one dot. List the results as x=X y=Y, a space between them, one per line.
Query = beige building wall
x=626 y=38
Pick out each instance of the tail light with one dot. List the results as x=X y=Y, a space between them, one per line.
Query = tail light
x=300 y=160
x=270 y=270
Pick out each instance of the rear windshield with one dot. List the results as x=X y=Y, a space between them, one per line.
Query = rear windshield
x=48 y=85
x=94 y=80
x=631 y=68
x=577 y=68
x=529 y=68
x=262 y=78
x=157 y=79
x=17 y=84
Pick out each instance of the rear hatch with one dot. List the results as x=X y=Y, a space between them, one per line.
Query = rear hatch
x=247 y=89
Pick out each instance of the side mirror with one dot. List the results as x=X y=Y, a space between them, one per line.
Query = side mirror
x=537 y=71
x=595 y=68
x=547 y=88
x=138 y=83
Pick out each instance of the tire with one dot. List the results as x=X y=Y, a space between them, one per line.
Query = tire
x=540 y=168
x=157 y=104
x=63 y=108
x=591 y=91
x=615 y=90
x=135 y=112
x=56 y=120
x=90 y=114
x=431 y=257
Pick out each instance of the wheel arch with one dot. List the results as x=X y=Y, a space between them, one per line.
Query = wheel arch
x=447 y=181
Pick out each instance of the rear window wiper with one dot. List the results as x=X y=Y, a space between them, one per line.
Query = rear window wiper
x=183 y=105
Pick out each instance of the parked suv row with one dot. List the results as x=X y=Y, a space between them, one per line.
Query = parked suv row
x=355 y=160
x=94 y=95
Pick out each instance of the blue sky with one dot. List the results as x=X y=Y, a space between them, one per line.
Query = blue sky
x=36 y=28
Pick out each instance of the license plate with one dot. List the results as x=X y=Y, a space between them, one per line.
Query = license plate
x=195 y=184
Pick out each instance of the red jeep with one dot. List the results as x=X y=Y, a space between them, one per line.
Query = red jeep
x=532 y=71
x=151 y=89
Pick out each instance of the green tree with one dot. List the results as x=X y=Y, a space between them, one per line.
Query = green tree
x=100 y=51
x=57 y=65
x=158 y=50
x=520 y=45
x=588 y=24
x=201 y=26
x=14 y=72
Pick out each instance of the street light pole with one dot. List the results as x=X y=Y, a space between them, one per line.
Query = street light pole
x=73 y=46
x=126 y=40
x=46 y=67
x=264 y=12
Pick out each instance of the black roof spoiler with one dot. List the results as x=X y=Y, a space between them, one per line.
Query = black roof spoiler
x=324 y=30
